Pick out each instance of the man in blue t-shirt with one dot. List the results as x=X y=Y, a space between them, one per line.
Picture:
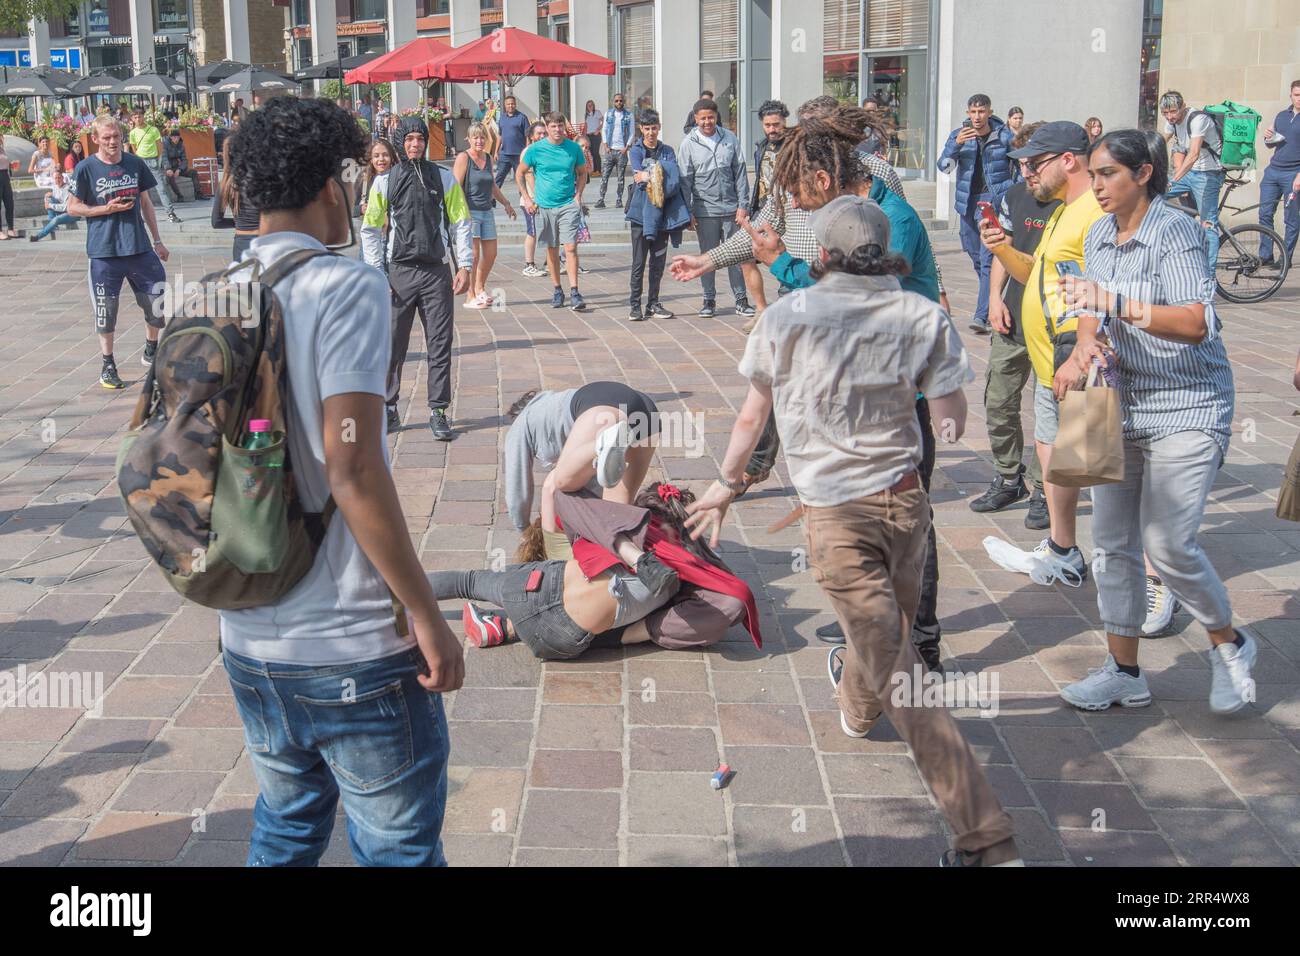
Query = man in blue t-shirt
x=111 y=190
x=514 y=137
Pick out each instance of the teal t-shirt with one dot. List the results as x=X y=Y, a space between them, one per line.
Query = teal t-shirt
x=554 y=171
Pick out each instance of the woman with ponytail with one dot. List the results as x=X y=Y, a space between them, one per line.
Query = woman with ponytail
x=559 y=608
x=1148 y=293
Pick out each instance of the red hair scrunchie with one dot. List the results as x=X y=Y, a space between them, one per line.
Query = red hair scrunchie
x=668 y=491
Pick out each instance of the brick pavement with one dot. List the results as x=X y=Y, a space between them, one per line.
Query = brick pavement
x=605 y=760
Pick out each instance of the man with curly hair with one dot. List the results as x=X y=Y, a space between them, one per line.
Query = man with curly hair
x=338 y=686
x=420 y=211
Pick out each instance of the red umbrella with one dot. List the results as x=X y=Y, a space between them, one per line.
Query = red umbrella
x=401 y=64
x=510 y=53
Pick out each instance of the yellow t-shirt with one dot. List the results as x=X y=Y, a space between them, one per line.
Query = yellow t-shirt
x=1062 y=240
x=145 y=140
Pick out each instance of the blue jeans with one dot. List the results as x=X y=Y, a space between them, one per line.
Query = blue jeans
x=980 y=257
x=1275 y=186
x=56 y=219
x=367 y=731
x=1204 y=188
x=506 y=165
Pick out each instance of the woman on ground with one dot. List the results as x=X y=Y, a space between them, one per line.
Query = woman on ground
x=473 y=169
x=592 y=121
x=1148 y=294
x=559 y=608
x=382 y=158
x=41 y=166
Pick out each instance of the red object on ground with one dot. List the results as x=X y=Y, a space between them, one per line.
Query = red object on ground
x=512 y=52
x=402 y=63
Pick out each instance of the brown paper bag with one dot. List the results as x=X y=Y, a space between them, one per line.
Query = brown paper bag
x=1089 y=446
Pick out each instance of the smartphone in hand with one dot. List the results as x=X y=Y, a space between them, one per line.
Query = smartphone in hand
x=988 y=215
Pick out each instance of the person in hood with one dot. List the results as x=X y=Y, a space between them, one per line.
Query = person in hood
x=429 y=255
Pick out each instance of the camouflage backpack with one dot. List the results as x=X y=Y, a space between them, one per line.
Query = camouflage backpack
x=222 y=522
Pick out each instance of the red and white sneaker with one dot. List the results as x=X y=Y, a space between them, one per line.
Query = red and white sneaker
x=483 y=628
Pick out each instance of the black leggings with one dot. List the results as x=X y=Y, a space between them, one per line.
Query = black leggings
x=6 y=199
x=618 y=395
x=538 y=615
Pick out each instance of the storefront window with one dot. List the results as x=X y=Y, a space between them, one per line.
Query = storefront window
x=719 y=52
x=170 y=15
x=1149 y=89
x=369 y=10
x=632 y=36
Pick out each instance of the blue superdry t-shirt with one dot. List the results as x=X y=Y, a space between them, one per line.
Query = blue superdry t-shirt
x=97 y=183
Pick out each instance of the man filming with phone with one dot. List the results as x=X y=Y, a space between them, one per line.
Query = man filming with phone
x=111 y=190
x=1054 y=163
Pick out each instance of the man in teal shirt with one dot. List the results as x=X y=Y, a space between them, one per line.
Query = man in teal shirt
x=907 y=238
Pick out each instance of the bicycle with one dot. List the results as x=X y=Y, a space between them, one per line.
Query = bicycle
x=1239 y=273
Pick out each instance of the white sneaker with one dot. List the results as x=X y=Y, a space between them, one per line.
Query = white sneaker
x=835 y=670
x=1107 y=685
x=1070 y=569
x=1231 y=686
x=1161 y=605
x=611 y=453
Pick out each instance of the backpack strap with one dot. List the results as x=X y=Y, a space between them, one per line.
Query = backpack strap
x=1191 y=115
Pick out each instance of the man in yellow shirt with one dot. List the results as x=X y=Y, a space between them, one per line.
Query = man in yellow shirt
x=1055 y=166
x=146 y=143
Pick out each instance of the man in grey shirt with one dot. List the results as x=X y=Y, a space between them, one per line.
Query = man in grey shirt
x=1195 y=168
x=713 y=173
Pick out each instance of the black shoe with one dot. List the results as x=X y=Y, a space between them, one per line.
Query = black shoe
x=1003 y=493
x=439 y=424
x=172 y=217
x=655 y=575
x=394 y=419
x=831 y=633
x=634 y=314
x=600 y=204
x=931 y=655
x=980 y=328
x=707 y=310
x=34 y=238
x=108 y=375
x=150 y=352
x=1038 y=519
x=656 y=311
x=745 y=309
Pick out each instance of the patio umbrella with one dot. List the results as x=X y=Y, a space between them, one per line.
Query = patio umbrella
x=101 y=85
x=210 y=74
x=254 y=81
x=510 y=53
x=33 y=83
x=400 y=64
x=334 y=69
x=150 y=84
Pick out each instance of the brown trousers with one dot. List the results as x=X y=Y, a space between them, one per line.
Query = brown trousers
x=868 y=555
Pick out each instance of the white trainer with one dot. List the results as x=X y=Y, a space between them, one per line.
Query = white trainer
x=1070 y=569
x=611 y=453
x=1231 y=686
x=1161 y=605
x=1107 y=685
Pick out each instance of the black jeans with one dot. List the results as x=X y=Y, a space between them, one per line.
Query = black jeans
x=425 y=289
x=538 y=616
x=657 y=253
x=7 y=199
x=925 y=630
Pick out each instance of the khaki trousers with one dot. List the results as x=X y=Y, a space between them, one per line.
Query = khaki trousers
x=868 y=556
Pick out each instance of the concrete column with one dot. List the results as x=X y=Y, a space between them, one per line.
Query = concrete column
x=465 y=27
x=238 y=46
x=945 y=184
x=797 y=33
x=401 y=30
x=38 y=42
x=523 y=14
x=142 y=34
x=677 y=63
x=589 y=30
x=324 y=33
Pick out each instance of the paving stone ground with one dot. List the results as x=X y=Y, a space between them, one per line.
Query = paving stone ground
x=605 y=760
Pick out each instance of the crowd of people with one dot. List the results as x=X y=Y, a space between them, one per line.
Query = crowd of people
x=1083 y=264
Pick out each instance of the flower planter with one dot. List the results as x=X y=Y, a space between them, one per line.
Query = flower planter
x=437 y=143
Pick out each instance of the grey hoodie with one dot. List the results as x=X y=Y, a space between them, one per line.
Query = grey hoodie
x=713 y=173
x=539 y=432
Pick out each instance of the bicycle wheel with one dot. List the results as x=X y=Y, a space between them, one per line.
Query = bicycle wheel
x=1239 y=273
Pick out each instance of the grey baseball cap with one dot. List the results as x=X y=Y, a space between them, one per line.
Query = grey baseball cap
x=847 y=222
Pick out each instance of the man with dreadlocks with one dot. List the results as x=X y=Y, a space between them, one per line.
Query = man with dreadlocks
x=841 y=371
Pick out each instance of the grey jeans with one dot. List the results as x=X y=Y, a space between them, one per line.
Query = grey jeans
x=712 y=232
x=1157 y=507
x=156 y=167
x=538 y=616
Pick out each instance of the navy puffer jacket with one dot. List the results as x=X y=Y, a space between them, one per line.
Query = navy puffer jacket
x=997 y=165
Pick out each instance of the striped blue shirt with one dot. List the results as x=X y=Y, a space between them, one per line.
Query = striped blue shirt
x=1169 y=387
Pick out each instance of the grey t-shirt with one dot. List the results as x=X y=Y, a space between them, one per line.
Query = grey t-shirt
x=337 y=340
x=539 y=434
x=1200 y=125
x=845 y=359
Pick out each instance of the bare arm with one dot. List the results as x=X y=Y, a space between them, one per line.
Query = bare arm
x=950 y=412
x=367 y=500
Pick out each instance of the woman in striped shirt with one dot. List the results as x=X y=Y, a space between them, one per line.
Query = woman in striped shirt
x=1146 y=273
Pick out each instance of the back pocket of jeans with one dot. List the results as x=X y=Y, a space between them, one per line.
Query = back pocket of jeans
x=366 y=739
x=248 y=701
